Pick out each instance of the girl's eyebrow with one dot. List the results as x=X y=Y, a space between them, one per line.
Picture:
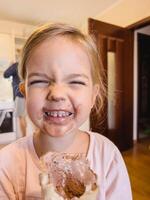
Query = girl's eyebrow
x=78 y=76
x=70 y=76
x=38 y=74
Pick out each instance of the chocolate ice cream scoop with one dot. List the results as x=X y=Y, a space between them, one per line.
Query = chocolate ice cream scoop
x=73 y=187
x=70 y=176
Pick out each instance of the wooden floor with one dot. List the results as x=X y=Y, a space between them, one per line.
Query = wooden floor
x=138 y=164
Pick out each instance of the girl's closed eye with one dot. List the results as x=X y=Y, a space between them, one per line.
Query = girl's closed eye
x=39 y=83
x=76 y=82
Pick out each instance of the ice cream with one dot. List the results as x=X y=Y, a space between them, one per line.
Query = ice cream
x=67 y=177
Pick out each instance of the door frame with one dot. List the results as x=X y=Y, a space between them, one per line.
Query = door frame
x=138 y=25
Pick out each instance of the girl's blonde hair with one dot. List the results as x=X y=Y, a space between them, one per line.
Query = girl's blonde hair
x=49 y=31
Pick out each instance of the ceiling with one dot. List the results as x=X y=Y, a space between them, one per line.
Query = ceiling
x=75 y=12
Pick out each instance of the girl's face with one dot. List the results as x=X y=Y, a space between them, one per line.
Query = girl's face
x=59 y=88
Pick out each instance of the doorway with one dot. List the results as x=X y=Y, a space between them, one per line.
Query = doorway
x=115 y=45
x=143 y=53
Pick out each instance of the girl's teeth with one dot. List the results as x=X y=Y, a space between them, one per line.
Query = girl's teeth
x=57 y=114
x=53 y=114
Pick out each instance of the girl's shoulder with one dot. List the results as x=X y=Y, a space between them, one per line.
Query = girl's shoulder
x=102 y=149
x=15 y=150
x=103 y=153
x=98 y=140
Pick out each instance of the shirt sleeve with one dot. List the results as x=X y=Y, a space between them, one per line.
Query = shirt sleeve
x=6 y=188
x=6 y=185
x=117 y=180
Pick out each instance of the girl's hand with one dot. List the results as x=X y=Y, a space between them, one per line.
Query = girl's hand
x=48 y=190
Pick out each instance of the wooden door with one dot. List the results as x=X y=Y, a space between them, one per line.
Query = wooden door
x=115 y=45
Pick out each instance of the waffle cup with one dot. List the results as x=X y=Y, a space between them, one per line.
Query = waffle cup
x=48 y=189
x=67 y=177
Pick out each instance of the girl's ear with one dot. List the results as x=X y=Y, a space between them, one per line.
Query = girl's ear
x=22 y=88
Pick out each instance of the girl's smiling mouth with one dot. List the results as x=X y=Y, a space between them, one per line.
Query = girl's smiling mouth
x=57 y=116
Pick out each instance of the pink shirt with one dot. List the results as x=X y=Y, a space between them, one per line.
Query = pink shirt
x=20 y=168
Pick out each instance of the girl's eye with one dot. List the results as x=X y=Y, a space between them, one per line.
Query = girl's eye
x=78 y=82
x=41 y=82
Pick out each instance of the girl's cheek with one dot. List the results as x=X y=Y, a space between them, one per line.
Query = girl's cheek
x=33 y=94
x=35 y=101
x=31 y=108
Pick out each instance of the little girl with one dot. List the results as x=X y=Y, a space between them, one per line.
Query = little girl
x=63 y=81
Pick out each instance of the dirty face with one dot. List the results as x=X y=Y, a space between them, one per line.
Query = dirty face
x=59 y=88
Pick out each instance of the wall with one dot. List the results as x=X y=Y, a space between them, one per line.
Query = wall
x=14 y=28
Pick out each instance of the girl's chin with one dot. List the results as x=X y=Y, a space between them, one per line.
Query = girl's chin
x=55 y=133
x=58 y=131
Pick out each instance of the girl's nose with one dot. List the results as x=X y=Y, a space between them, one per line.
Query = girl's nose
x=56 y=93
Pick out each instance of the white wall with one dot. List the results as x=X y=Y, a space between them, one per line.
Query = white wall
x=145 y=30
x=16 y=29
